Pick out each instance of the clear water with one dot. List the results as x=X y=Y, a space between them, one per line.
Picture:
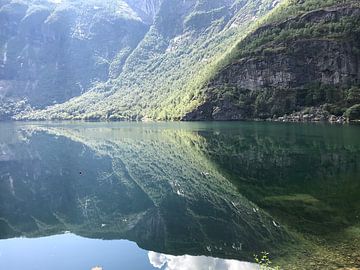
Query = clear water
x=172 y=195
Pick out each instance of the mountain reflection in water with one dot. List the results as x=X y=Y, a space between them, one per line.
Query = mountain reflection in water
x=194 y=191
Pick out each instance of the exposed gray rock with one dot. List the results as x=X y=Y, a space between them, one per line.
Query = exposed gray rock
x=147 y=9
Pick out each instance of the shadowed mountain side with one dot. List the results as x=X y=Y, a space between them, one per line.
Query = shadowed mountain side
x=51 y=53
x=150 y=186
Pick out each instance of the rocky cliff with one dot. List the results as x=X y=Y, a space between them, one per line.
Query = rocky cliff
x=146 y=9
x=311 y=60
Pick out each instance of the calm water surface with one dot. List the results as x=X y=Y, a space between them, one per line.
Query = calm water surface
x=173 y=195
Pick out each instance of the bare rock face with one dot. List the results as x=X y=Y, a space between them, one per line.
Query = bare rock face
x=286 y=76
x=329 y=62
x=146 y=9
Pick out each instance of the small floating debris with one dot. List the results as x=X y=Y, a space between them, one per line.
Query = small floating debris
x=97 y=268
x=205 y=174
x=255 y=209
x=180 y=192
x=208 y=248
x=103 y=225
x=237 y=247
x=276 y=225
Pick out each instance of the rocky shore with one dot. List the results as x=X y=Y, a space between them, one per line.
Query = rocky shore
x=311 y=115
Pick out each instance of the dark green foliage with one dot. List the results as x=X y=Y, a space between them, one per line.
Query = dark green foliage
x=316 y=94
x=353 y=113
x=352 y=95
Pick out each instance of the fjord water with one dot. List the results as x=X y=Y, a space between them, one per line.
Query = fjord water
x=177 y=195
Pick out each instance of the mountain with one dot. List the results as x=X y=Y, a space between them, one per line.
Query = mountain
x=183 y=38
x=182 y=60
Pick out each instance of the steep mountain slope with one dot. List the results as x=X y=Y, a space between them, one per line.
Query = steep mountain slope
x=307 y=56
x=158 y=77
x=53 y=52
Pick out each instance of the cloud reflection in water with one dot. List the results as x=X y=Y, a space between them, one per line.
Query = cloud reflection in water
x=186 y=262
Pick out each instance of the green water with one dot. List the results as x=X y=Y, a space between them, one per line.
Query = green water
x=220 y=190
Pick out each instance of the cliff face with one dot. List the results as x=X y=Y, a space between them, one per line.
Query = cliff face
x=292 y=72
x=146 y=9
x=53 y=52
